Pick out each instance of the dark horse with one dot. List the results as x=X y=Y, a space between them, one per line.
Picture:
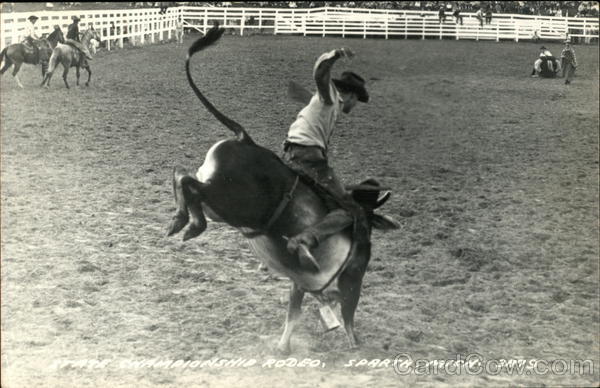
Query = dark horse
x=69 y=56
x=250 y=188
x=18 y=53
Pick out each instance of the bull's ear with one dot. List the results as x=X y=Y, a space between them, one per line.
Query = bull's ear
x=383 y=199
x=384 y=222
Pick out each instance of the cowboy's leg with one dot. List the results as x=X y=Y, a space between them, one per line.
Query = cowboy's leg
x=570 y=71
x=81 y=48
x=313 y=162
x=336 y=220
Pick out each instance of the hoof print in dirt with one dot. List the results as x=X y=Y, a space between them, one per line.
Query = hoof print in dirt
x=560 y=296
x=414 y=335
x=406 y=213
x=86 y=266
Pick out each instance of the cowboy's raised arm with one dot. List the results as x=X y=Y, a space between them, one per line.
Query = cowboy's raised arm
x=322 y=71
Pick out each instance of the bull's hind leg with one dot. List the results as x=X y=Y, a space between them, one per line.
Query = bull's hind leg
x=291 y=319
x=77 y=73
x=188 y=195
x=182 y=216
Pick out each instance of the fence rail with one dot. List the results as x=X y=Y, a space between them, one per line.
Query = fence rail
x=148 y=25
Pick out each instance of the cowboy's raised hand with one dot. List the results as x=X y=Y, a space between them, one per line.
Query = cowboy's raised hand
x=346 y=52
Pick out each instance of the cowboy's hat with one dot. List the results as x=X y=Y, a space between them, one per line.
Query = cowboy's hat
x=352 y=82
x=32 y=17
x=75 y=18
x=567 y=41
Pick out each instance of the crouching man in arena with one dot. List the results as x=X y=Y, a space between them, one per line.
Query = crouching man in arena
x=307 y=143
x=546 y=66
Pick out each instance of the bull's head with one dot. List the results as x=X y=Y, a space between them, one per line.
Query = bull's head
x=371 y=195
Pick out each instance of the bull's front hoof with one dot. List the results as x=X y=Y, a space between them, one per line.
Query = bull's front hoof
x=177 y=224
x=193 y=231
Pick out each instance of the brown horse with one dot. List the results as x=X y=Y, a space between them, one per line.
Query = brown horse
x=248 y=187
x=18 y=53
x=69 y=56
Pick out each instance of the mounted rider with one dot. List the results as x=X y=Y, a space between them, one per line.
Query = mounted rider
x=307 y=144
x=73 y=38
x=31 y=37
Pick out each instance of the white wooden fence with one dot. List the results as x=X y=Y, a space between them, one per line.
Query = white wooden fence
x=138 y=26
x=361 y=22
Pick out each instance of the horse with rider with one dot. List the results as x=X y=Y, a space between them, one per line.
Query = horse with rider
x=74 y=53
x=33 y=50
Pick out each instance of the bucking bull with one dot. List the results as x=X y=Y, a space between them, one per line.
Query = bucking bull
x=250 y=188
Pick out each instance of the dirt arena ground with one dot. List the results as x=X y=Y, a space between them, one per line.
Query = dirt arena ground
x=495 y=179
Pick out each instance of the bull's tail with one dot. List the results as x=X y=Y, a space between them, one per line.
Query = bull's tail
x=210 y=38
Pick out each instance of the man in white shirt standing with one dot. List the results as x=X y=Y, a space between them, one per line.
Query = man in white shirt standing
x=307 y=143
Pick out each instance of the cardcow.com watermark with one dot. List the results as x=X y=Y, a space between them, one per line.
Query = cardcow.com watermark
x=475 y=364
x=402 y=364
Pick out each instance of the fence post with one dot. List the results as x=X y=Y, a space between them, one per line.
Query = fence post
x=457 y=29
x=387 y=20
x=205 y=20
x=242 y=22
x=260 y=20
x=324 y=21
x=152 y=28
x=405 y=26
x=304 y=24
x=497 y=31
x=423 y=27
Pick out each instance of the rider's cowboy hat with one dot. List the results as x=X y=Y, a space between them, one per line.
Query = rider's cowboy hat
x=32 y=17
x=352 y=82
x=567 y=41
x=75 y=19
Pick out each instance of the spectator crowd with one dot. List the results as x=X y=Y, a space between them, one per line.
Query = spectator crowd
x=542 y=8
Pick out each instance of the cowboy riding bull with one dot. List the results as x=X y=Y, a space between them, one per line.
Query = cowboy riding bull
x=309 y=231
